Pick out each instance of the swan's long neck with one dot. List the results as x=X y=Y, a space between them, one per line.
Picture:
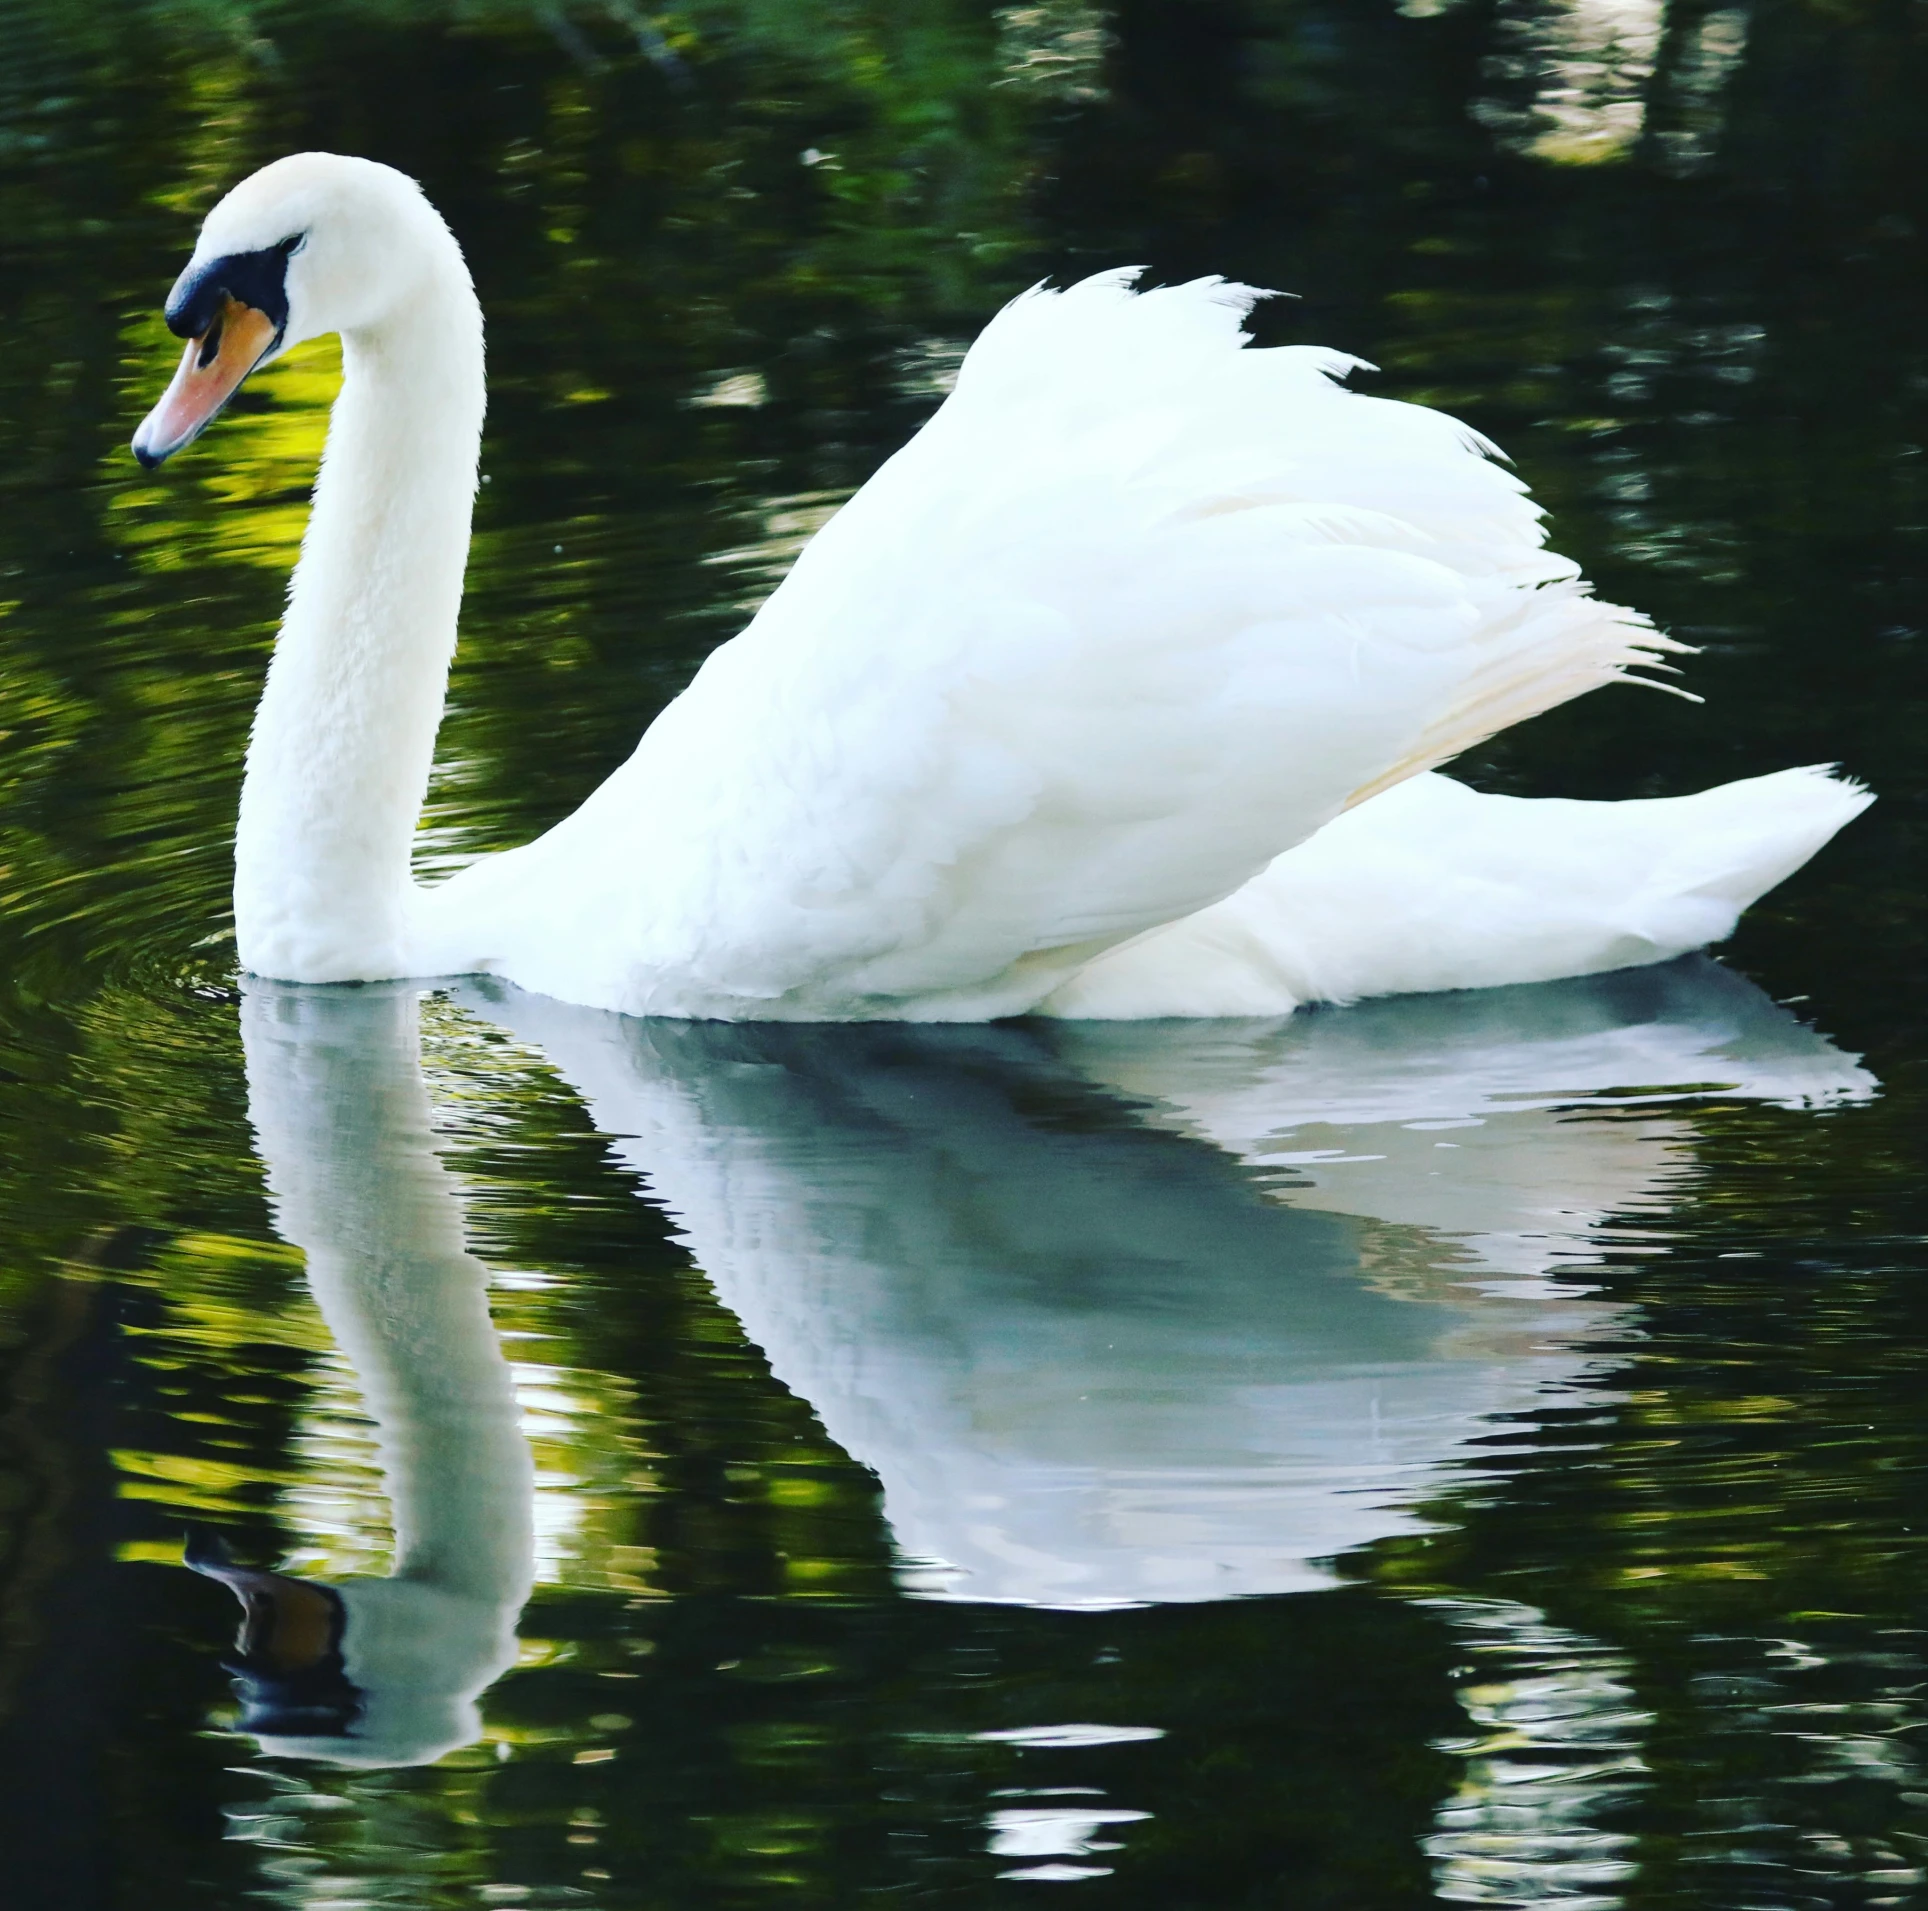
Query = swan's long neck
x=339 y=760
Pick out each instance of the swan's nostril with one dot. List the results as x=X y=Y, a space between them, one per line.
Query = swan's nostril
x=210 y=345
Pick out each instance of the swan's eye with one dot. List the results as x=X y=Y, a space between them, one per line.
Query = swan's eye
x=292 y=244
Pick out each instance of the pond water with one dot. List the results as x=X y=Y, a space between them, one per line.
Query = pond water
x=1465 y=1449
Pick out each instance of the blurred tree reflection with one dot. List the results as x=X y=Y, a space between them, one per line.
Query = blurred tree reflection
x=1671 y=256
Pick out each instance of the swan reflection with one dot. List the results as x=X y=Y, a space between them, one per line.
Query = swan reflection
x=342 y=1122
x=1158 y=1311
x=1115 y=1312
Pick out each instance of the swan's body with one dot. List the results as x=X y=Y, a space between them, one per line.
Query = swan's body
x=1139 y=612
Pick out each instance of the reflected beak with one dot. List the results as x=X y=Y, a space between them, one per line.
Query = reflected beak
x=287 y=1625
x=210 y=373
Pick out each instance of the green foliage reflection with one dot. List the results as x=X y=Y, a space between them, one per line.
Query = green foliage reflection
x=729 y=251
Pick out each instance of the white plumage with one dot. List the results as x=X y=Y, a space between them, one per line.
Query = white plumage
x=1138 y=612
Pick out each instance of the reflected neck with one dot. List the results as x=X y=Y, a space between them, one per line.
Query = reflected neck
x=339 y=759
x=346 y=1133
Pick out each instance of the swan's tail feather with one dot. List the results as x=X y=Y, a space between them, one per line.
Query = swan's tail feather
x=1434 y=886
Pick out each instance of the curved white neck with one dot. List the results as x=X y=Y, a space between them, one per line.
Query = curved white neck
x=339 y=759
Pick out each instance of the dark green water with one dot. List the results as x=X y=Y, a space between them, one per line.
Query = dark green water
x=937 y=1436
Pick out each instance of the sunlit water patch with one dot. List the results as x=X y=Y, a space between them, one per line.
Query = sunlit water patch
x=1464 y=1451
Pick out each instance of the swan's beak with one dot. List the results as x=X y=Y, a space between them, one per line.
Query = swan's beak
x=287 y=1625
x=212 y=367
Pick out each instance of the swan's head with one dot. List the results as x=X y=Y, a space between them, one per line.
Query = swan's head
x=314 y=243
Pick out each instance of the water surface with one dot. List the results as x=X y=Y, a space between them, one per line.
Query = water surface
x=1467 y=1449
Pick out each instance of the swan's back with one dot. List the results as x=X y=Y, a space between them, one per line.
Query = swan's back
x=1138 y=609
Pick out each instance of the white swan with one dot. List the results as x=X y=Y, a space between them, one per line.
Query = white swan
x=1035 y=724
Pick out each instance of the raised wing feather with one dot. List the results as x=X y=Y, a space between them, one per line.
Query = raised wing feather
x=1138 y=609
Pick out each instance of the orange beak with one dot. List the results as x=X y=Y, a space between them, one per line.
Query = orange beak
x=210 y=373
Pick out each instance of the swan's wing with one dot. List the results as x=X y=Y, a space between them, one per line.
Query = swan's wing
x=1136 y=611
x=1434 y=886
